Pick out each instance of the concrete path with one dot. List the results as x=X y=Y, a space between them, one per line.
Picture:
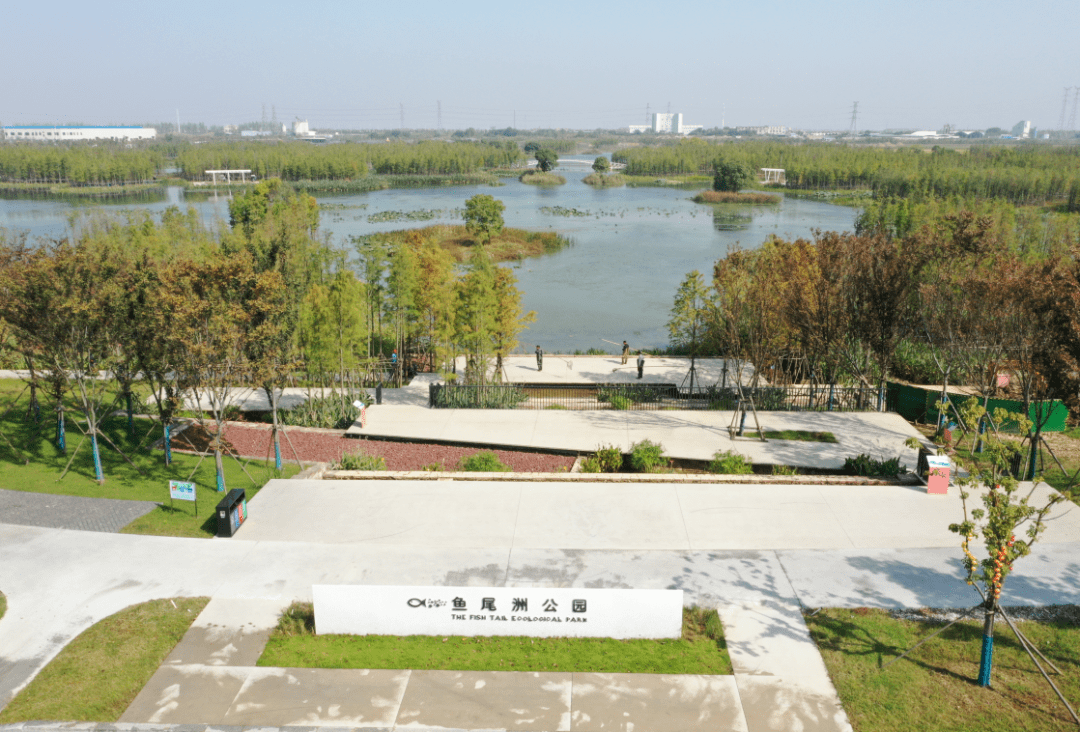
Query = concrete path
x=562 y=369
x=60 y=582
x=70 y=512
x=695 y=435
x=634 y=516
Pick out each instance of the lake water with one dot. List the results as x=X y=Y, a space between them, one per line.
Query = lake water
x=631 y=250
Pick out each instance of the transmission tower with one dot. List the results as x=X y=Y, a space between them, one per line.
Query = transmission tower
x=854 y=118
x=1064 y=104
x=648 y=114
x=438 y=114
x=1072 y=116
x=669 y=107
x=402 y=108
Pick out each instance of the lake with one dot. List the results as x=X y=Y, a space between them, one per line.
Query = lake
x=632 y=246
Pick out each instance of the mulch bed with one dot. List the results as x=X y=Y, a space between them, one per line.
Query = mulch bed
x=327 y=446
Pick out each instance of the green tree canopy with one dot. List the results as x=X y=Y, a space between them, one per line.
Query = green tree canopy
x=483 y=217
x=731 y=176
x=601 y=165
x=546 y=159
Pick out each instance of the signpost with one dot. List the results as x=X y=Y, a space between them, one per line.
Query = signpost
x=543 y=612
x=183 y=491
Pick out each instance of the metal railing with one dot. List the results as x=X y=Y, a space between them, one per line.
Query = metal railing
x=650 y=397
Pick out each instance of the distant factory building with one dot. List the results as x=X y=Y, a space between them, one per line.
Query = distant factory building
x=36 y=133
x=666 y=123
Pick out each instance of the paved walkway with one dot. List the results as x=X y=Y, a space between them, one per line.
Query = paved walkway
x=60 y=582
x=70 y=512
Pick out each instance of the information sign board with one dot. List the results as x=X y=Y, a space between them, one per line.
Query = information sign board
x=542 y=612
x=181 y=490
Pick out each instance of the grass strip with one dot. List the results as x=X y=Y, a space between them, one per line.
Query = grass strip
x=934 y=687
x=97 y=676
x=3 y=604
x=797 y=436
x=701 y=650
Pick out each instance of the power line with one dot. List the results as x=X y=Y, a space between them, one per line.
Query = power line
x=1064 y=104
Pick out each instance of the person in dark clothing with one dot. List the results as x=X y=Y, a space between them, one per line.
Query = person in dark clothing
x=539 y=359
x=625 y=352
x=640 y=364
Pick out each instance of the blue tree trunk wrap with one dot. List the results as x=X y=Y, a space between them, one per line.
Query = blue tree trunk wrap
x=168 y=443
x=61 y=441
x=277 y=451
x=987 y=660
x=220 y=469
x=97 y=457
x=131 y=416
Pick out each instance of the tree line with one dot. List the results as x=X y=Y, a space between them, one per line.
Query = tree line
x=184 y=312
x=1034 y=174
x=843 y=308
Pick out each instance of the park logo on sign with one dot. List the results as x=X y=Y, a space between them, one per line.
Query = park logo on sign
x=181 y=490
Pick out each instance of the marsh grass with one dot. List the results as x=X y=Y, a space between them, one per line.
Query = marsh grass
x=538 y=178
x=728 y=197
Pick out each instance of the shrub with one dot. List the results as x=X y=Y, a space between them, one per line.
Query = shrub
x=620 y=402
x=866 y=466
x=610 y=459
x=785 y=470
x=360 y=461
x=333 y=411
x=729 y=462
x=433 y=468
x=591 y=464
x=484 y=461
x=646 y=456
x=478 y=397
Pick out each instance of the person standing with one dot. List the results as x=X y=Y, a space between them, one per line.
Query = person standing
x=625 y=352
x=640 y=364
x=539 y=359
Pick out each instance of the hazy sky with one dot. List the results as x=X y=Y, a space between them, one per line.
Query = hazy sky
x=914 y=64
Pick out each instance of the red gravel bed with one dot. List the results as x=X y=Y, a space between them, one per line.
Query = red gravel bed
x=327 y=446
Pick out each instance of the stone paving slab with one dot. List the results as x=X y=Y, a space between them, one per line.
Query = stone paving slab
x=627 y=702
x=78 y=513
x=488 y=699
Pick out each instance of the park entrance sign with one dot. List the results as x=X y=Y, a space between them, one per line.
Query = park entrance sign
x=542 y=612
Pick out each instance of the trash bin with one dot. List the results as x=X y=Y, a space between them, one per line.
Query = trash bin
x=938 y=479
x=231 y=512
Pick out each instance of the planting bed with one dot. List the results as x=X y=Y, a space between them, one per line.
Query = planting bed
x=327 y=446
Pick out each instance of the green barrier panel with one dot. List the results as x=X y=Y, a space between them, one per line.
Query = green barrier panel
x=920 y=405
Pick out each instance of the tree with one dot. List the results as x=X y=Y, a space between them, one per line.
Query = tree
x=690 y=317
x=601 y=165
x=1005 y=514
x=731 y=177
x=546 y=159
x=509 y=318
x=483 y=217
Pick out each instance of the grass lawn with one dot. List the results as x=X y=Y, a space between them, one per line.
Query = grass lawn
x=701 y=650
x=97 y=676
x=35 y=440
x=934 y=688
x=3 y=604
x=1066 y=447
x=797 y=435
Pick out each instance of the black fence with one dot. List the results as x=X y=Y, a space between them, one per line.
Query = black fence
x=651 y=397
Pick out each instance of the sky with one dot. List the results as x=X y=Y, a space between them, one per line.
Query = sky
x=582 y=65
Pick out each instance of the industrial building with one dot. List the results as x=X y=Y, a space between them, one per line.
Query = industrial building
x=40 y=133
x=665 y=122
